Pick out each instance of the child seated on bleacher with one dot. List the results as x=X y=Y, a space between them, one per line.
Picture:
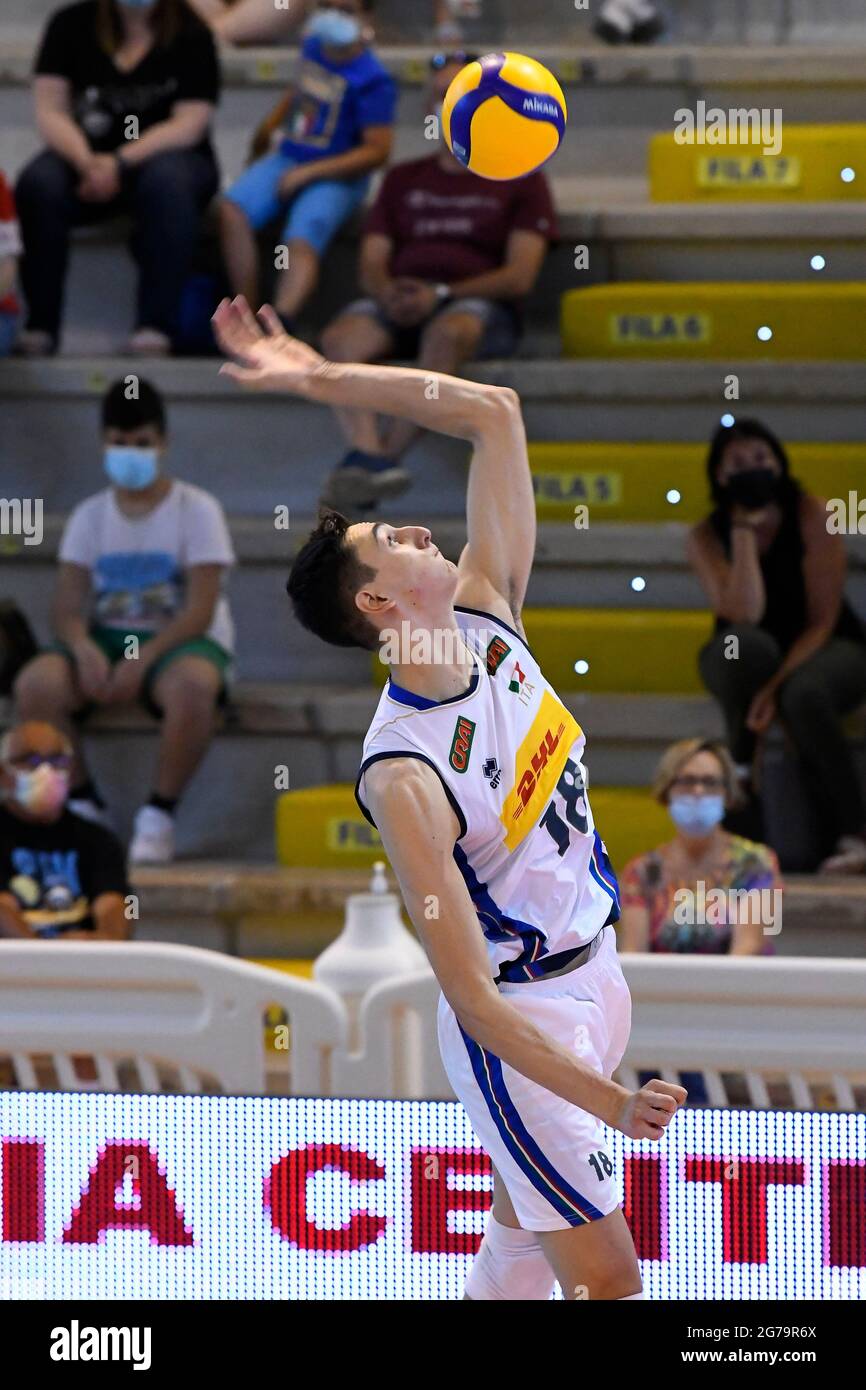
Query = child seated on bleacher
x=139 y=614
x=335 y=124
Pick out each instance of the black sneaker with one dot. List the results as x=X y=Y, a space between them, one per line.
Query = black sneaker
x=355 y=485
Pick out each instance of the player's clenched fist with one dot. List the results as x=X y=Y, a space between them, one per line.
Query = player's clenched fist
x=647 y=1113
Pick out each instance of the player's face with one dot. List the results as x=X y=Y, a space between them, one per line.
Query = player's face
x=743 y=455
x=411 y=572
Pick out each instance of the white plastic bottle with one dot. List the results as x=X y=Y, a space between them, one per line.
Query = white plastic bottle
x=373 y=946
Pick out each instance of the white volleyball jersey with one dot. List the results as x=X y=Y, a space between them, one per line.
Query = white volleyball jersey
x=509 y=756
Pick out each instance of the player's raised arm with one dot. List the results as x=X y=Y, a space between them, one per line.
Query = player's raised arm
x=500 y=508
x=419 y=829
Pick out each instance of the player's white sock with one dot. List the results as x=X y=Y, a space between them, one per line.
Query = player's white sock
x=509 y=1266
x=628 y=1296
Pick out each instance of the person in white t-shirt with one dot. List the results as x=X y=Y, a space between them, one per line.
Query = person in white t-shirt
x=139 y=613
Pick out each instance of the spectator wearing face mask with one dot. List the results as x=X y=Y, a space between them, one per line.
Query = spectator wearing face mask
x=687 y=895
x=775 y=576
x=333 y=128
x=139 y=614
x=446 y=262
x=124 y=93
x=60 y=875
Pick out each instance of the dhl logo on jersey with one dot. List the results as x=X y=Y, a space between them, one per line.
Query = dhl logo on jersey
x=537 y=768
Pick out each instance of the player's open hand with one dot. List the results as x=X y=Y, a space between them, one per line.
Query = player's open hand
x=647 y=1113
x=265 y=357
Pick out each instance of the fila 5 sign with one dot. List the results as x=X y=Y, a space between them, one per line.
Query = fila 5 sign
x=160 y=1197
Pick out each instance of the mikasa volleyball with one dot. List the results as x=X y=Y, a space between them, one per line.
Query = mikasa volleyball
x=504 y=116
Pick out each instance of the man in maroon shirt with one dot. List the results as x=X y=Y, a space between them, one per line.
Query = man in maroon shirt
x=446 y=258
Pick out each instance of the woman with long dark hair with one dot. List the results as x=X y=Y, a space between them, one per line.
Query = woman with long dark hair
x=124 y=93
x=787 y=641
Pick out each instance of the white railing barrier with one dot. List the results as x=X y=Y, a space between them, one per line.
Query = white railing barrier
x=746 y=1023
x=133 y=1015
x=157 y=1017
x=398 y=1056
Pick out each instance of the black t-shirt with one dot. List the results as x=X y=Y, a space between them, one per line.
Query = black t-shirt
x=103 y=97
x=57 y=870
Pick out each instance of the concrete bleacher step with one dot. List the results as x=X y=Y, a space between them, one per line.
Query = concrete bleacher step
x=626 y=239
x=606 y=568
x=813 y=163
x=259 y=451
x=617 y=101
x=291 y=914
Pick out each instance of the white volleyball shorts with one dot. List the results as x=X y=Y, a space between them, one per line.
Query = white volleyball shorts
x=553 y=1157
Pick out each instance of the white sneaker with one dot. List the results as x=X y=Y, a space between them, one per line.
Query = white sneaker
x=152 y=837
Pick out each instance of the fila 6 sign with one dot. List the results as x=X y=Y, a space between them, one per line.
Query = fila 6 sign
x=168 y=1197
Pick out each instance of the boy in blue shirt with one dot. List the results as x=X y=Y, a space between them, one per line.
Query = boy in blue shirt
x=337 y=126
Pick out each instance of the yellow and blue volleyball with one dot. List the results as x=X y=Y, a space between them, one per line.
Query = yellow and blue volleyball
x=504 y=116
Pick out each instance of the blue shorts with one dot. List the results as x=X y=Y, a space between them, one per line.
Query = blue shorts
x=9 y=324
x=314 y=215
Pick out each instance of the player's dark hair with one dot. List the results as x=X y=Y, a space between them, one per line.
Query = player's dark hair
x=323 y=582
x=124 y=409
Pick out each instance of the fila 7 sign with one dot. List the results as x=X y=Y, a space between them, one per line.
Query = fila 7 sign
x=171 y=1197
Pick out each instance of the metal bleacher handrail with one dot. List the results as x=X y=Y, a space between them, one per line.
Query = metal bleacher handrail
x=783 y=1032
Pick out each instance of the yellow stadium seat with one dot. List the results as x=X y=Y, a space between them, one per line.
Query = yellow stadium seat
x=322 y=827
x=631 y=482
x=629 y=821
x=647 y=649
x=650 y=649
x=816 y=163
x=709 y=320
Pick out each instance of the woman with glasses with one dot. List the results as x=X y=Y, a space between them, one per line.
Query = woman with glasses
x=705 y=891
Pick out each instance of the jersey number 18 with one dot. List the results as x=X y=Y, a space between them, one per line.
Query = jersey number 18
x=572 y=788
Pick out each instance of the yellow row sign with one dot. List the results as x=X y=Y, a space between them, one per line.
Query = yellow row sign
x=749 y=171
x=565 y=488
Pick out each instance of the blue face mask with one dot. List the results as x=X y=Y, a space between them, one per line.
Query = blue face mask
x=696 y=815
x=334 y=27
x=131 y=468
